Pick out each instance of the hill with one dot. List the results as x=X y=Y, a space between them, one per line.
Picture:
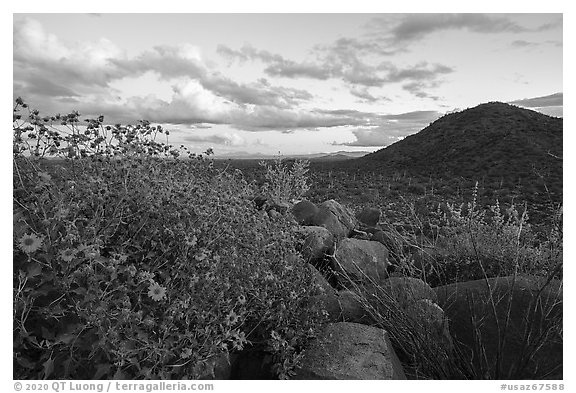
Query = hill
x=492 y=142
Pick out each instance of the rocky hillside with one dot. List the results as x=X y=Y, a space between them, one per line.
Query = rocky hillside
x=492 y=141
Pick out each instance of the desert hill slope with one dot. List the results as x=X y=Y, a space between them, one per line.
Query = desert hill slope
x=492 y=141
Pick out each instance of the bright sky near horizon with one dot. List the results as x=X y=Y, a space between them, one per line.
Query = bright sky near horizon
x=289 y=83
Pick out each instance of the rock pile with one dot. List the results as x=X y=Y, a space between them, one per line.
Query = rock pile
x=350 y=255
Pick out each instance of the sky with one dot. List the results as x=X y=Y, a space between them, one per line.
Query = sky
x=286 y=83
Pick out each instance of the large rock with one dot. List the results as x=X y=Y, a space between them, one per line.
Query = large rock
x=304 y=212
x=328 y=296
x=350 y=351
x=318 y=241
x=406 y=290
x=369 y=216
x=432 y=317
x=523 y=315
x=391 y=242
x=336 y=218
x=352 y=309
x=360 y=261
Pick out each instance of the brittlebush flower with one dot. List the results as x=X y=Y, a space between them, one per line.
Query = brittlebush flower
x=68 y=254
x=232 y=318
x=30 y=243
x=156 y=292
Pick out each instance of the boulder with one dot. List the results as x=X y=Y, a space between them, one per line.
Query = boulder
x=369 y=216
x=523 y=314
x=304 y=212
x=361 y=260
x=336 y=218
x=350 y=351
x=432 y=317
x=318 y=241
x=392 y=243
x=328 y=298
x=352 y=310
x=406 y=290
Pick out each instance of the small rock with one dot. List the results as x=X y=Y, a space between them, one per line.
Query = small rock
x=369 y=216
x=304 y=212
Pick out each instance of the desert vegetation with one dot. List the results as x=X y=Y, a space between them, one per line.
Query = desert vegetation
x=135 y=259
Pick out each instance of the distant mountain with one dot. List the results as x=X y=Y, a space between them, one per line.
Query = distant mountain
x=490 y=141
x=335 y=156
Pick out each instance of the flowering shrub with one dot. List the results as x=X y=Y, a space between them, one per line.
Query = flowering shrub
x=283 y=183
x=130 y=266
x=478 y=243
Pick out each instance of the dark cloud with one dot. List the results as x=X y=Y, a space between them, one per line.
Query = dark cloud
x=277 y=64
x=421 y=89
x=364 y=95
x=43 y=65
x=258 y=93
x=51 y=74
x=419 y=72
x=35 y=83
x=168 y=61
x=556 y=99
x=416 y=26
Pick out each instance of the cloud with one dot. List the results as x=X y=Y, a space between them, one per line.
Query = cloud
x=420 y=89
x=168 y=61
x=227 y=139
x=341 y=60
x=523 y=44
x=415 y=116
x=414 y=27
x=556 y=111
x=529 y=44
x=556 y=99
x=42 y=62
x=419 y=72
x=192 y=103
x=46 y=69
x=391 y=128
x=277 y=64
x=62 y=77
x=364 y=95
